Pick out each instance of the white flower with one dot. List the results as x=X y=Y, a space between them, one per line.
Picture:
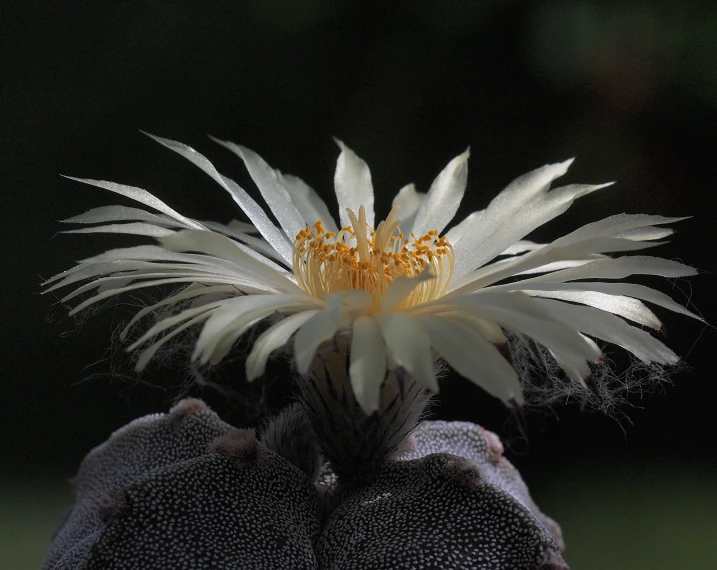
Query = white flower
x=402 y=286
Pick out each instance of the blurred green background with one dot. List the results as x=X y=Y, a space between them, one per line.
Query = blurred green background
x=630 y=88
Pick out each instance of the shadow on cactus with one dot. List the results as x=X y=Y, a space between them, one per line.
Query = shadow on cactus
x=348 y=476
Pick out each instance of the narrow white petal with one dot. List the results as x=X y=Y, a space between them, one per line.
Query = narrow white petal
x=317 y=330
x=618 y=268
x=272 y=190
x=120 y=283
x=153 y=283
x=368 y=363
x=559 y=265
x=276 y=238
x=135 y=228
x=523 y=206
x=535 y=213
x=408 y=343
x=149 y=278
x=221 y=246
x=467 y=226
x=308 y=202
x=521 y=313
x=272 y=339
x=401 y=287
x=408 y=201
x=353 y=185
x=489 y=329
x=193 y=290
x=151 y=350
x=340 y=309
x=138 y=269
x=257 y=244
x=539 y=259
x=141 y=196
x=205 y=311
x=508 y=204
x=522 y=246
x=124 y=213
x=607 y=327
x=577 y=369
x=473 y=357
x=225 y=344
x=237 y=312
x=647 y=233
x=443 y=198
x=627 y=307
x=627 y=289
x=243 y=227
x=613 y=226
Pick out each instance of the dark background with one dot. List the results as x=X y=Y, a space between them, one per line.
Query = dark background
x=628 y=88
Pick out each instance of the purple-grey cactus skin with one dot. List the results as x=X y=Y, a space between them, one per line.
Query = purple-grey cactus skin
x=185 y=491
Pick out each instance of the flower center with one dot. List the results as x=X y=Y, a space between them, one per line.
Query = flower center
x=360 y=257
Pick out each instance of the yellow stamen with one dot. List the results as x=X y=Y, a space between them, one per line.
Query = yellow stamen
x=359 y=257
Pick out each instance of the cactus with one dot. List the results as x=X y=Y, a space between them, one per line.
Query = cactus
x=185 y=490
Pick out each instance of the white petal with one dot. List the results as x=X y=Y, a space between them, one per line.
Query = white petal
x=647 y=233
x=537 y=212
x=276 y=238
x=401 y=287
x=308 y=202
x=368 y=363
x=340 y=310
x=523 y=206
x=613 y=226
x=577 y=369
x=627 y=307
x=627 y=289
x=257 y=244
x=618 y=268
x=272 y=190
x=153 y=283
x=141 y=196
x=271 y=339
x=610 y=328
x=237 y=312
x=488 y=329
x=204 y=311
x=149 y=278
x=222 y=247
x=539 y=259
x=124 y=213
x=473 y=357
x=150 y=351
x=522 y=246
x=225 y=344
x=142 y=260
x=243 y=227
x=193 y=290
x=408 y=202
x=467 y=226
x=409 y=344
x=136 y=228
x=353 y=185
x=444 y=197
x=507 y=204
x=524 y=314
x=559 y=265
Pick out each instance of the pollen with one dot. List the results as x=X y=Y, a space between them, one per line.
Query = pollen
x=359 y=257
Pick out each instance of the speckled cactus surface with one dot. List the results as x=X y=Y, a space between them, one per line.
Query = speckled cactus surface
x=185 y=490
